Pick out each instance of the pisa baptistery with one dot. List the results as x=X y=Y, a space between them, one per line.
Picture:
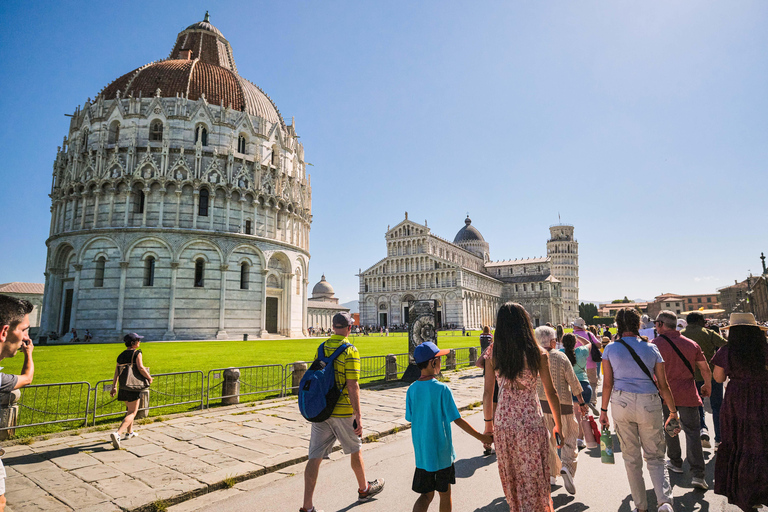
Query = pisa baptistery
x=180 y=206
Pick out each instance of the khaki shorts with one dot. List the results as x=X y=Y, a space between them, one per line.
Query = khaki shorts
x=326 y=433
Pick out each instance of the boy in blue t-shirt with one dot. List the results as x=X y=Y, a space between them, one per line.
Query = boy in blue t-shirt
x=430 y=408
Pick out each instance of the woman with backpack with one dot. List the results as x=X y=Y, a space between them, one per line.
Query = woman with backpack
x=129 y=360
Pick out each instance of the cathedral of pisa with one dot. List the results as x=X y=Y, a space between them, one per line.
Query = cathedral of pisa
x=467 y=285
x=181 y=207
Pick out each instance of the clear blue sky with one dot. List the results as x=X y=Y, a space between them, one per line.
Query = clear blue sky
x=644 y=124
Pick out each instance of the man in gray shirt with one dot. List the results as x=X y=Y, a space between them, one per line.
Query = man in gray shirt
x=14 y=335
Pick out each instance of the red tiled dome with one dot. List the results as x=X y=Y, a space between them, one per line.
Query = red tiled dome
x=200 y=63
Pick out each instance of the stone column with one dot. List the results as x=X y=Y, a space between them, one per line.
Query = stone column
x=391 y=368
x=161 y=193
x=85 y=209
x=97 y=196
x=298 y=372
x=472 y=356
x=178 y=207
x=211 y=209
x=112 y=195
x=143 y=411
x=121 y=297
x=74 y=212
x=222 y=334
x=450 y=360
x=169 y=334
x=195 y=209
x=242 y=215
x=9 y=413
x=147 y=192
x=226 y=209
x=127 y=207
x=230 y=387
x=263 y=321
x=75 y=293
x=46 y=303
x=304 y=323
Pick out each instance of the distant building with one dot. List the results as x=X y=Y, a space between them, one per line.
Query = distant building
x=323 y=305
x=611 y=309
x=732 y=297
x=33 y=292
x=706 y=301
x=666 y=301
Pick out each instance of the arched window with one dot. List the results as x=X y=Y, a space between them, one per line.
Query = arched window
x=114 y=132
x=201 y=134
x=244 y=271
x=149 y=271
x=248 y=227
x=98 y=281
x=199 y=272
x=156 y=131
x=202 y=207
x=241 y=144
x=139 y=202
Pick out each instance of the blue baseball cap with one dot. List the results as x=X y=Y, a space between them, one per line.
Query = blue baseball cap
x=427 y=351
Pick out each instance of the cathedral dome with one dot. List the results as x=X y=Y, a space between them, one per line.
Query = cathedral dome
x=323 y=289
x=468 y=233
x=200 y=65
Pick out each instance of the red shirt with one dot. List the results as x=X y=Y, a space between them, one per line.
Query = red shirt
x=679 y=377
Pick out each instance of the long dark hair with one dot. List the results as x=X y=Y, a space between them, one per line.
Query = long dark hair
x=514 y=346
x=747 y=349
x=569 y=344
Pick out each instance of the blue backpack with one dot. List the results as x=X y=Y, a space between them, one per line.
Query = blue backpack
x=318 y=392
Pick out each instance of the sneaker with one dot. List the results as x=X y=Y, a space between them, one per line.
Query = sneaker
x=705 y=438
x=581 y=444
x=675 y=469
x=666 y=507
x=568 y=481
x=699 y=483
x=130 y=435
x=115 y=440
x=374 y=488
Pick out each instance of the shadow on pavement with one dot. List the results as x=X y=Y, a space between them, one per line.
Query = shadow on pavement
x=497 y=505
x=465 y=468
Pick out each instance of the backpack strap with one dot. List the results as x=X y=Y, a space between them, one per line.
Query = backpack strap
x=680 y=354
x=639 y=362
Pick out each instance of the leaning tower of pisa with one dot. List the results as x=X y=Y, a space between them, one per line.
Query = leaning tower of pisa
x=563 y=251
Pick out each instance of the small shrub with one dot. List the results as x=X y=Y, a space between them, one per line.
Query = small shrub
x=160 y=506
x=229 y=482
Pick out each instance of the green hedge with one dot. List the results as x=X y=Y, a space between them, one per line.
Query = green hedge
x=608 y=320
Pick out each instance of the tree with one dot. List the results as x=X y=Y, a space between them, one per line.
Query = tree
x=625 y=300
x=587 y=311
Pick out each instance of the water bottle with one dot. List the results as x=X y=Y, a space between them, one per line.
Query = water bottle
x=606 y=446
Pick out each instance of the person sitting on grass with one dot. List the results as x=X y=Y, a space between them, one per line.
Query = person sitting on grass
x=430 y=408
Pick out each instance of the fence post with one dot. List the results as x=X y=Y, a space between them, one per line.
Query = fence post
x=143 y=411
x=298 y=373
x=391 y=368
x=230 y=388
x=9 y=413
x=472 y=356
x=450 y=360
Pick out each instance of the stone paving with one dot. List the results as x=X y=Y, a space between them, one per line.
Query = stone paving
x=188 y=455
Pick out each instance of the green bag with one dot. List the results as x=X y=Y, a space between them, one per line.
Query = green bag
x=606 y=447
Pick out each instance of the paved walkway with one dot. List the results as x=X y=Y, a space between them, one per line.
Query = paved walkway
x=189 y=455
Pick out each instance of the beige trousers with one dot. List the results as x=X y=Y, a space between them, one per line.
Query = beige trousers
x=592 y=377
x=569 y=453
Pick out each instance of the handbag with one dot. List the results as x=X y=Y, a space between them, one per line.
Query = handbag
x=589 y=434
x=128 y=378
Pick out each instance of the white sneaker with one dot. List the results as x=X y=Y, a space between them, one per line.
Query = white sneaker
x=671 y=466
x=115 y=437
x=568 y=481
x=704 y=435
x=666 y=507
x=130 y=435
x=699 y=483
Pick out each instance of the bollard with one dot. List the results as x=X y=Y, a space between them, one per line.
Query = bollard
x=450 y=360
x=298 y=373
x=230 y=388
x=472 y=356
x=391 y=368
x=9 y=413
x=143 y=411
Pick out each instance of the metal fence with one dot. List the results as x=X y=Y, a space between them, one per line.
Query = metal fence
x=50 y=404
x=253 y=380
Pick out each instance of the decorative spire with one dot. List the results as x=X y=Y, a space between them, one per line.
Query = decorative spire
x=467 y=221
x=207 y=18
x=322 y=278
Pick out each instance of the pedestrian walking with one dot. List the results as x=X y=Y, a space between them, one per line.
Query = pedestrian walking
x=578 y=356
x=566 y=385
x=560 y=332
x=681 y=355
x=485 y=339
x=741 y=465
x=709 y=341
x=430 y=408
x=586 y=338
x=14 y=336
x=519 y=434
x=345 y=424
x=129 y=360
x=630 y=365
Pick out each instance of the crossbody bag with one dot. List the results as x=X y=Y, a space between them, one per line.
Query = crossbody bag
x=680 y=354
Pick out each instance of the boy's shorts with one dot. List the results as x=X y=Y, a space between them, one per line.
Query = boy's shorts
x=428 y=481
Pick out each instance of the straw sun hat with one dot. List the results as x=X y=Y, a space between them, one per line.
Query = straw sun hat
x=743 y=319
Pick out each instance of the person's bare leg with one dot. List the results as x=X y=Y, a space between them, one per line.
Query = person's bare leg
x=131 y=409
x=446 y=503
x=2 y=502
x=358 y=466
x=310 y=480
x=422 y=504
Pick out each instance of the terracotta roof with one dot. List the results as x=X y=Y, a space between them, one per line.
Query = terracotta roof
x=33 y=288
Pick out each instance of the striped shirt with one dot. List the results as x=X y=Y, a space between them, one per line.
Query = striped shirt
x=346 y=366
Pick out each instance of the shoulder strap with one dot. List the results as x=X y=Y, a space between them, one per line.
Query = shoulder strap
x=680 y=354
x=639 y=362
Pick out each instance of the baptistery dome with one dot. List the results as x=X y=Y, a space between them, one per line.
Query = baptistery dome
x=323 y=289
x=181 y=207
x=470 y=239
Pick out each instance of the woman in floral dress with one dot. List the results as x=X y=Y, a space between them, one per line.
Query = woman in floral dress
x=518 y=426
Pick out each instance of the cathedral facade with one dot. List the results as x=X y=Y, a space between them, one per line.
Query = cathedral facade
x=467 y=285
x=180 y=206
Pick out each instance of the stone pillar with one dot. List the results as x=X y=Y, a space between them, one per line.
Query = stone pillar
x=96 y=197
x=127 y=207
x=143 y=411
x=263 y=313
x=85 y=209
x=161 y=193
x=75 y=293
x=298 y=372
x=121 y=298
x=305 y=305
x=147 y=191
x=211 y=209
x=230 y=387
x=450 y=360
x=9 y=413
x=472 y=356
x=222 y=334
x=226 y=208
x=169 y=334
x=74 y=212
x=178 y=207
x=391 y=368
x=242 y=216
x=112 y=194
x=44 y=329
x=195 y=208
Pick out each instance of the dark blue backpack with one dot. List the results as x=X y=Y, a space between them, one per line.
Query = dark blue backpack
x=318 y=392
